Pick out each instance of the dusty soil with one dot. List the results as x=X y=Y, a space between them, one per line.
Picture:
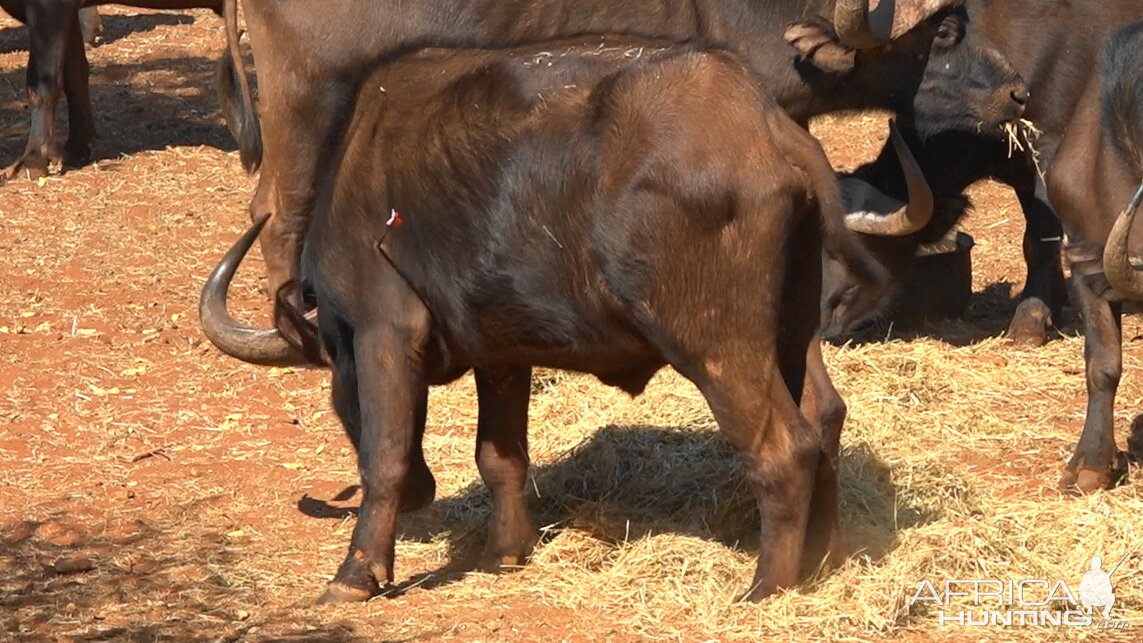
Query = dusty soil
x=151 y=488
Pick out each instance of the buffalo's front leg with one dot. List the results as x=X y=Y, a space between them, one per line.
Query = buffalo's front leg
x=502 y=457
x=1092 y=466
x=420 y=487
x=391 y=391
x=48 y=29
x=1044 y=291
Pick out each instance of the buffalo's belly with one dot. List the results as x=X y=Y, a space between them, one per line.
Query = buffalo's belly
x=605 y=347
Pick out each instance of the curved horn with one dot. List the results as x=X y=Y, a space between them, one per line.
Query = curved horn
x=861 y=27
x=851 y=20
x=1122 y=276
x=906 y=219
x=265 y=346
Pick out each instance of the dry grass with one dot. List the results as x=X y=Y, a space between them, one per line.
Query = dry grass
x=935 y=483
x=207 y=494
x=1022 y=135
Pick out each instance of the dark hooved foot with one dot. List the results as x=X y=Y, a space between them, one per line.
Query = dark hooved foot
x=76 y=155
x=509 y=556
x=1081 y=479
x=758 y=592
x=497 y=564
x=355 y=581
x=1030 y=323
x=336 y=592
x=32 y=168
x=1084 y=481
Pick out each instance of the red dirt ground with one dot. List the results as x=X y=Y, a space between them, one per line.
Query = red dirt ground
x=201 y=492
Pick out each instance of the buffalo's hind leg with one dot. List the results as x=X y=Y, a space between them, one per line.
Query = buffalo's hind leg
x=823 y=407
x=80 y=120
x=390 y=392
x=502 y=457
x=779 y=451
x=420 y=486
x=803 y=368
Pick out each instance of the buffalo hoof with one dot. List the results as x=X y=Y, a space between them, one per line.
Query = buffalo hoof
x=508 y=557
x=500 y=564
x=355 y=581
x=76 y=155
x=26 y=168
x=510 y=545
x=757 y=593
x=341 y=593
x=1030 y=324
x=1084 y=481
x=1080 y=479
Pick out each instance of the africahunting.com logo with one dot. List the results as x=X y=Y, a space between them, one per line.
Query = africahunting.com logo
x=1025 y=603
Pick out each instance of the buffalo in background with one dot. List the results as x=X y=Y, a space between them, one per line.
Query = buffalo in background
x=57 y=66
x=1096 y=184
x=1055 y=46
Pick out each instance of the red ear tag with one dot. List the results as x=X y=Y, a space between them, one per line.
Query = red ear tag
x=395 y=219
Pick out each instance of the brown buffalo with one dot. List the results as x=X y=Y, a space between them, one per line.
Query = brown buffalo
x=1096 y=183
x=915 y=56
x=610 y=206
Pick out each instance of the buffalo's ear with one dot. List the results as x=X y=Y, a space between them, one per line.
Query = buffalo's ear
x=818 y=44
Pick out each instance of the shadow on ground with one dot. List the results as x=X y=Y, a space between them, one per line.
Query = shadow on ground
x=68 y=577
x=138 y=106
x=13 y=39
x=988 y=315
x=625 y=483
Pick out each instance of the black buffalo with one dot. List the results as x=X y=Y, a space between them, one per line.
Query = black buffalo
x=610 y=206
x=1054 y=45
x=1056 y=48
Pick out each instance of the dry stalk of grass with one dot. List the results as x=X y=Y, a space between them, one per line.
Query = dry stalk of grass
x=1022 y=135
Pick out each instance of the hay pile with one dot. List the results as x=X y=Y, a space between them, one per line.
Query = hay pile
x=949 y=466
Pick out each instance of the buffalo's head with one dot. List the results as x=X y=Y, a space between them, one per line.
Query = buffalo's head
x=891 y=230
x=919 y=58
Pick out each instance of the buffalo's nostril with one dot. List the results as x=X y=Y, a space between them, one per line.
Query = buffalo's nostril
x=1020 y=96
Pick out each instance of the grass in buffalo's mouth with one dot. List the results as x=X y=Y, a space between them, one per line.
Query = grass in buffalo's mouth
x=1022 y=135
